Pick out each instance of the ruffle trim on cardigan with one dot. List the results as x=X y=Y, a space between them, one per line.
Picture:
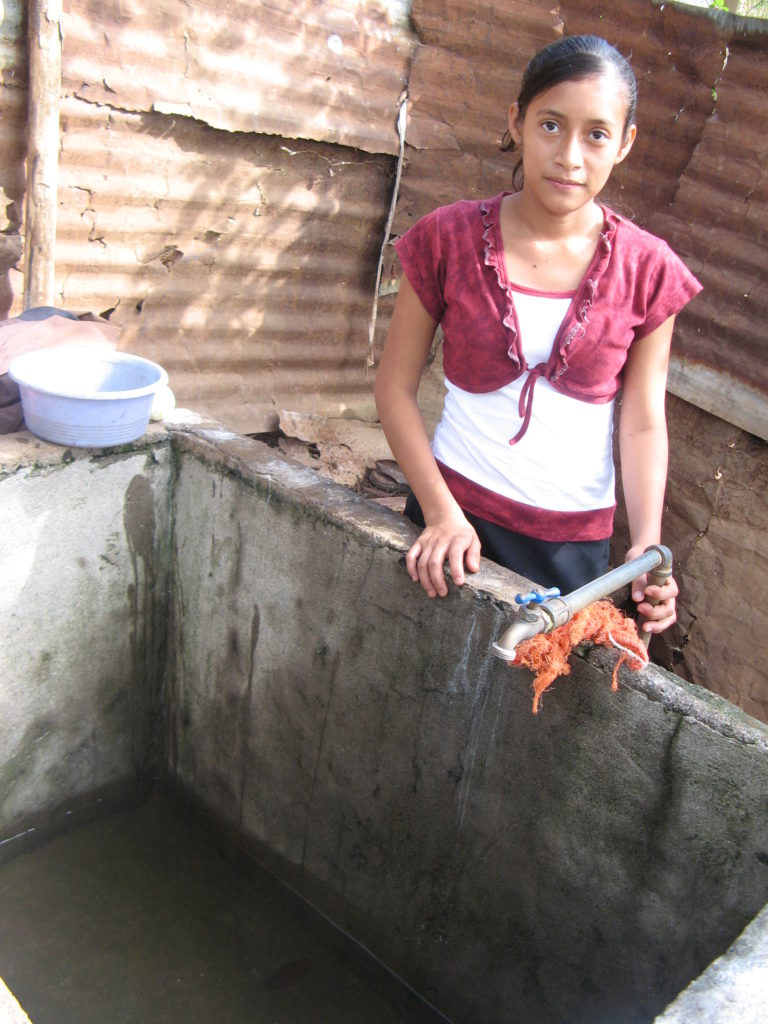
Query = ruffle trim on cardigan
x=492 y=258
x=583 y=300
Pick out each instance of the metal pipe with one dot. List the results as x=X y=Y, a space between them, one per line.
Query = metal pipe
x=533 y=619
x=657 y=577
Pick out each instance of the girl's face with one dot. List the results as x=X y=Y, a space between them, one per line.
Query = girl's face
x=571 y=137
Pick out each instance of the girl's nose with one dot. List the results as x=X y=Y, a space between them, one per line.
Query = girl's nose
x=570 y=154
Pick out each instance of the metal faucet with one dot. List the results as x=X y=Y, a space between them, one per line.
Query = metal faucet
x=541 y=612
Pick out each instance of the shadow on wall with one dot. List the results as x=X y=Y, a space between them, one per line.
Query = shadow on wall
x=266 y=307
x=243 y=261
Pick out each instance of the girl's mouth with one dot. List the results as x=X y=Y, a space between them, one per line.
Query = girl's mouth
x=565 y=184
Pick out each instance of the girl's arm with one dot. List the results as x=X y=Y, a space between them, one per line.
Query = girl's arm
x=643 y=449
x=447 y=535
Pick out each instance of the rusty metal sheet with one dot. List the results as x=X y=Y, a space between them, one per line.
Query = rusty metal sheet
x=461 y=91
x=693 y=176
x=677 y=56
x=243 y=264
x=467 y=67
x=720 y=216
x=305 y=69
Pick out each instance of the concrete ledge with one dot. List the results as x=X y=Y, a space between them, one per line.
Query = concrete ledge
x=10 y=1011
x=264 y=468
x=24 y=450
x=688 y=699
x=734 y=989
x=277 y=476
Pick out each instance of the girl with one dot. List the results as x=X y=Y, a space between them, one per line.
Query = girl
x=549 y=304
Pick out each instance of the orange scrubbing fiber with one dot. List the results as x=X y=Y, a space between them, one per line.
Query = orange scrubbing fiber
x=602 y=623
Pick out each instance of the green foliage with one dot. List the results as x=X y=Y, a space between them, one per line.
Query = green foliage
x=744 y=8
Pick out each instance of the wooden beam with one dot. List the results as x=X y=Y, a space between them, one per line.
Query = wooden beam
x=44 y=18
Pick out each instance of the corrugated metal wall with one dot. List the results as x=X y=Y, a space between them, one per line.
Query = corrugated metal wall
x=694 y=175
x=720 y=215
x=245 y=260
x=243 y=263
x=303 y=69
x=225 y=175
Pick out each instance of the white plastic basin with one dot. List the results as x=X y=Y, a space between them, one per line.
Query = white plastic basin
x=86 y=398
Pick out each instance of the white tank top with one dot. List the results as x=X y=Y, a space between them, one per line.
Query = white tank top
x=564 y=461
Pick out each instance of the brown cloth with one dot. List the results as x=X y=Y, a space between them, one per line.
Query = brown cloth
x=25 y=334
x=11 y=417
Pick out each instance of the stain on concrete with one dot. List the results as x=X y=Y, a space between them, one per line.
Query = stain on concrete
x=139 y=518
x=149 y=613
x=22 y=765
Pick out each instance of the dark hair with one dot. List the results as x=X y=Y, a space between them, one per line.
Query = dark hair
x=569 y=60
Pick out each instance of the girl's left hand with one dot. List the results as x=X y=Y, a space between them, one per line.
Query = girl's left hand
x=655 y=605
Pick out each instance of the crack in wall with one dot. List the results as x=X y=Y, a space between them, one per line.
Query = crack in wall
x=88 y=214
x=682 y=174
x=720 y=74
x=558 y=24
x=720 y=478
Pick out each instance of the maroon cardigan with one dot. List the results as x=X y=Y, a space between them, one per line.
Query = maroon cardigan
x=454 y=259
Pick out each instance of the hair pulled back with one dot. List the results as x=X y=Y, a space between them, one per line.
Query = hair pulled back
x=571 y=59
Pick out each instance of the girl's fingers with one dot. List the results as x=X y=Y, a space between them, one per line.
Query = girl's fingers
x=411 y=560
x=472 y=555
x=668 y=591
x=426 y=558
x=660 y=620
x=655 y=604
x=432 y=569
x=456 y=553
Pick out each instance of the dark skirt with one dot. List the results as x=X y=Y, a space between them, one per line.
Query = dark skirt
x=564 y=564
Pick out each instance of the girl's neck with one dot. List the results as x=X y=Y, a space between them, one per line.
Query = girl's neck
x=545 y=252
x=533 y=223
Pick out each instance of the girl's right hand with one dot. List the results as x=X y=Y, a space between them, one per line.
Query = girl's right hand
x=452 y=539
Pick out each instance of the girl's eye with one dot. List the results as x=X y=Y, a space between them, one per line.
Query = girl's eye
x=598 y=135
x=549 y=126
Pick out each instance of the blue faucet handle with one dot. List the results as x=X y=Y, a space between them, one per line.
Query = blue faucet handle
x=537 y=596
